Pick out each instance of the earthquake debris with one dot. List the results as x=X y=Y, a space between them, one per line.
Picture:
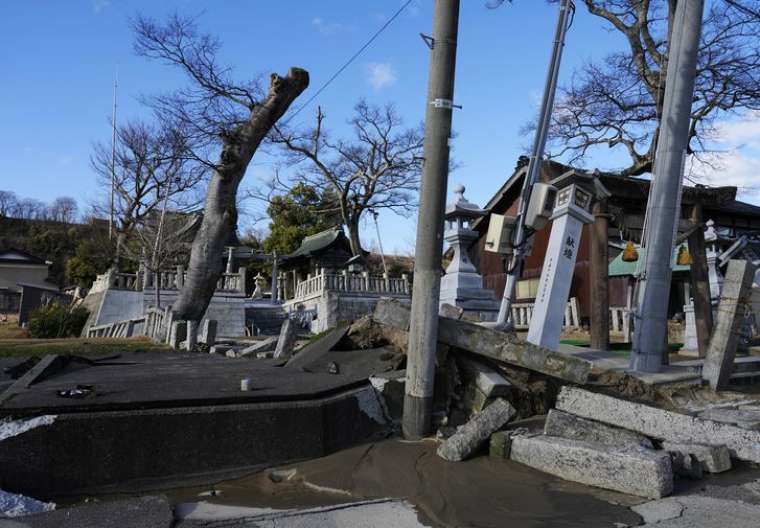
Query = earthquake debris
x=713 y=458
x=208 y=332
x=559 y=423
x=637 y=471
x=734 y=298
x=265 y=345
x=477 y=431
x=287 y=339
x=659 y=423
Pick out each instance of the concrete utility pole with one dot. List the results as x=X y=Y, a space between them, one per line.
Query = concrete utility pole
x=423 y=330
x=663 y=209
x=566 y=8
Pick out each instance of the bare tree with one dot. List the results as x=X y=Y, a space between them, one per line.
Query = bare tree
x=213 y=111
x=617 y=102
x=31 y=209
x=151 y=165
x=63 y=209
x=8 y=204
x=379 y=168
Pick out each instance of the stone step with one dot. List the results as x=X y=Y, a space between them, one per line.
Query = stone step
x=741 y=364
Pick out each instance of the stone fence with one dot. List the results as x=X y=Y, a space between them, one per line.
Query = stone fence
x=154 y=324
x=171 y=279
x=619 y=317
x=348 y=283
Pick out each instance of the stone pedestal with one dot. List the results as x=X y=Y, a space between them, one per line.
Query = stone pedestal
x=462 y=285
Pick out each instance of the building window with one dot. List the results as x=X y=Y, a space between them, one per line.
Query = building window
x=527 y=288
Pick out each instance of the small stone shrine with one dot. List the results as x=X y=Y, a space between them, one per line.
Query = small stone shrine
x=462 y=285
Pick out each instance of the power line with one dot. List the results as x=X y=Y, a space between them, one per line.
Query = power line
x=350 y=60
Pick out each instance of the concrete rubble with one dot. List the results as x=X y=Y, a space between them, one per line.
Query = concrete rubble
x=637 y=471
x=659 y=423
x=265 y=345
x=565 y=425
x=713 y=458
x=287 y=339
x=477 y=431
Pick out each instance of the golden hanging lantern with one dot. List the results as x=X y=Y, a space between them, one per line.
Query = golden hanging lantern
x=684 y=257
x=629 y=253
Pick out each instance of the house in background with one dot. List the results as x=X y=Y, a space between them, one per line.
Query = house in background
x=20 y=271
x=627 y=207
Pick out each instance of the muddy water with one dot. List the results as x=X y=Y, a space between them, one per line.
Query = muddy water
x=483 y=492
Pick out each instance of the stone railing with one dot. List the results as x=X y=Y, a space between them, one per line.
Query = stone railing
x=171 y=279
x=620 y=321
x=346 y=282
x=522 y=313
x=126 y=328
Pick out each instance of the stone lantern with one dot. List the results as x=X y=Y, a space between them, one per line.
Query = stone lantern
x=462 y=285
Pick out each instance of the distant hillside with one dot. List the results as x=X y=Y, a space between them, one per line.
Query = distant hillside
x=58 y=242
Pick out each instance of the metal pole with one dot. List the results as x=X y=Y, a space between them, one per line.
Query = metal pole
x=534 y=167
x=423 y=330
x=113 y=157
x=650 y=338
x=375 y=214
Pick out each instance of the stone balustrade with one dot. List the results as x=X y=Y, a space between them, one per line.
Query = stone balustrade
x=363 y=283
x=171 y=279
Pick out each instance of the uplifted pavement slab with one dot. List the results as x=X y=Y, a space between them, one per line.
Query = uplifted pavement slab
x=384 y=513
x=141 y=512
x=696 y=511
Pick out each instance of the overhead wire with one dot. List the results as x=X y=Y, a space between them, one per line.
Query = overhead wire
x=350 y=60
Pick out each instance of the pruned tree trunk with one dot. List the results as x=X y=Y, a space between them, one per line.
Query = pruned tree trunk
x=220 y=213
x=353 y=236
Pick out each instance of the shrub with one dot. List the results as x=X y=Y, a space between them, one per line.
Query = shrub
x=55 y=320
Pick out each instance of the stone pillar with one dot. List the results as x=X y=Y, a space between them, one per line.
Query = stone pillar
x=600 y=296
x=737 y=288
x=559 y=265
x=180 y=276
x=177 y=333
x=700 y=283
x=230 y=260
x=192 y=335
x=242 y=286
x=208 y=333
x=275 y=279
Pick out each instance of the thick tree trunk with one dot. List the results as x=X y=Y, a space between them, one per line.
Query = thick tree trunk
x=353 y=236
x=220 y=213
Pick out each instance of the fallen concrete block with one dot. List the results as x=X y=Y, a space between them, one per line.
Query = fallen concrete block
x=177 y=334
x=686 y=465
x=713 y=458
x=565 y=425
x=219 y=349
x=264 y=355
x=490 y=382
x=317 y=349
x=287 y=339
x=500 y=443
x=659 y=423
x=744 y=418
x=474 y=433
x=265 y=345
x=450 y=311
x=490 y=343
x=636 y=471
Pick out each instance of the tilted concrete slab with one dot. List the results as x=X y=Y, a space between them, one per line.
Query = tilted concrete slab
x=659 y=423
x=495 y=345
x=636 y=471
x=714 y=458
x=477 y=431
x=695 y=511
x=566 y=425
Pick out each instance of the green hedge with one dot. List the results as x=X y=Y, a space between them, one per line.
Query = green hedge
x=54 y=320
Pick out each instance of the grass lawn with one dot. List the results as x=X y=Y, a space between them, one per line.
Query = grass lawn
x=76 y=346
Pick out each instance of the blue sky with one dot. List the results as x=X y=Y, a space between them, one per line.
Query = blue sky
x=60 y=59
